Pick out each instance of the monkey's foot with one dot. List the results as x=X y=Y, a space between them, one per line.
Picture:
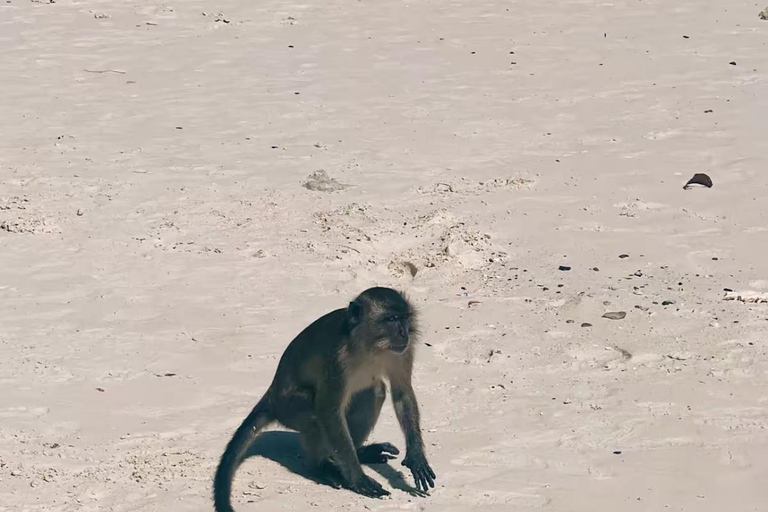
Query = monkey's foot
x=369 y=487
x=376 y=453
x=329 y=474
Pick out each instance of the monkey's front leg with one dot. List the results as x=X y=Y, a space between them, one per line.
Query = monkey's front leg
x=407 y=411
x=331 y=418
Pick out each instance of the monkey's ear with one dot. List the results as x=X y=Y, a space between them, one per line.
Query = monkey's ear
x=354 y=314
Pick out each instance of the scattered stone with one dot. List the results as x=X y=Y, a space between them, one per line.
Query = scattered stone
x=595 y=269
x=586 y=324
x=622 y=256
x=564 y=268
x=319 y=181
x=617 y=452
x=80 y=212
x=101 y=390
x=698 y=179
x=667 y=302
x=615 y=315
x=569 y=321
x=732 y=63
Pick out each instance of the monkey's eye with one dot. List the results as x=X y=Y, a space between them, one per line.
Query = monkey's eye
x=393 y=318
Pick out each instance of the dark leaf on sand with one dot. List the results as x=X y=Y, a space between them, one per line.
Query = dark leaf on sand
x=699 y=179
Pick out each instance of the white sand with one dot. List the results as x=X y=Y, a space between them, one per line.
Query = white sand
x=169 y=267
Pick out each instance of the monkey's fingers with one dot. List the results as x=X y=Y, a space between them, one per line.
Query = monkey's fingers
x=377 y=453
x=423 y=476
x=388 y=448
x=371 y=488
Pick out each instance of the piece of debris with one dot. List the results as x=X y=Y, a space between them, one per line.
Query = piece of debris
x=625 y=354
x=564 y=268
x=622 y=256
x=586 y=324
x=679 y=356
x=615 y=315
x=748 y=296
x=319 y=181
x=667 y=302
x=698 y=179
x=764 y=14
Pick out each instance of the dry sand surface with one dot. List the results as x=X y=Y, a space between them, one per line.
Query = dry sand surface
x=158 y=247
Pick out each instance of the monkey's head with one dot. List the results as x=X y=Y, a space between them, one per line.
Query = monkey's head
x=383 y=319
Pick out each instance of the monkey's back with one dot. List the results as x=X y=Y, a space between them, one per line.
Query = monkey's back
x=305 y=357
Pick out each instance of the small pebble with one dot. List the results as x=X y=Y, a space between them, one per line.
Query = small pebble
x=564 y=268
x=667 y=303
x=617 y=452
x=586 y=324
x=615 y=315
x=622 y=256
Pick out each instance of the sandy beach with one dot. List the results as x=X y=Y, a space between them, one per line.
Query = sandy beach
x=184 y=186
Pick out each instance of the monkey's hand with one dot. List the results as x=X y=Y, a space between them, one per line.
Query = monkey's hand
x=376 y=453
x=367 y=486
x=422 y=473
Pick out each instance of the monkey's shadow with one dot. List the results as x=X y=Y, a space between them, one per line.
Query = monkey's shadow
x=284 y=448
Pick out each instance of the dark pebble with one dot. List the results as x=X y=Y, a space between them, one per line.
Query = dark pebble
x=732 y=63
x=622 y=256
x=564 y=268
x=667 y=303
x=615 y=315
x=586 y=324
x=617 y=452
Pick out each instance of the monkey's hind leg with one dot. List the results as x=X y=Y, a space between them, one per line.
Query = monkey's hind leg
x=362 y=415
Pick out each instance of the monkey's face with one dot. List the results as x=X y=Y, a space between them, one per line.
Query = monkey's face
x=384 y=319
x=397 y=331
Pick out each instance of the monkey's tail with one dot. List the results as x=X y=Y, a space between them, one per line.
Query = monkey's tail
x=238 y=446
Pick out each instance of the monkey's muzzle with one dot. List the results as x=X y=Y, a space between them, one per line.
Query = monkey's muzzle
x=398 y=346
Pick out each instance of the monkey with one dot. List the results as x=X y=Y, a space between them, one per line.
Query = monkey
x=329 y=387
